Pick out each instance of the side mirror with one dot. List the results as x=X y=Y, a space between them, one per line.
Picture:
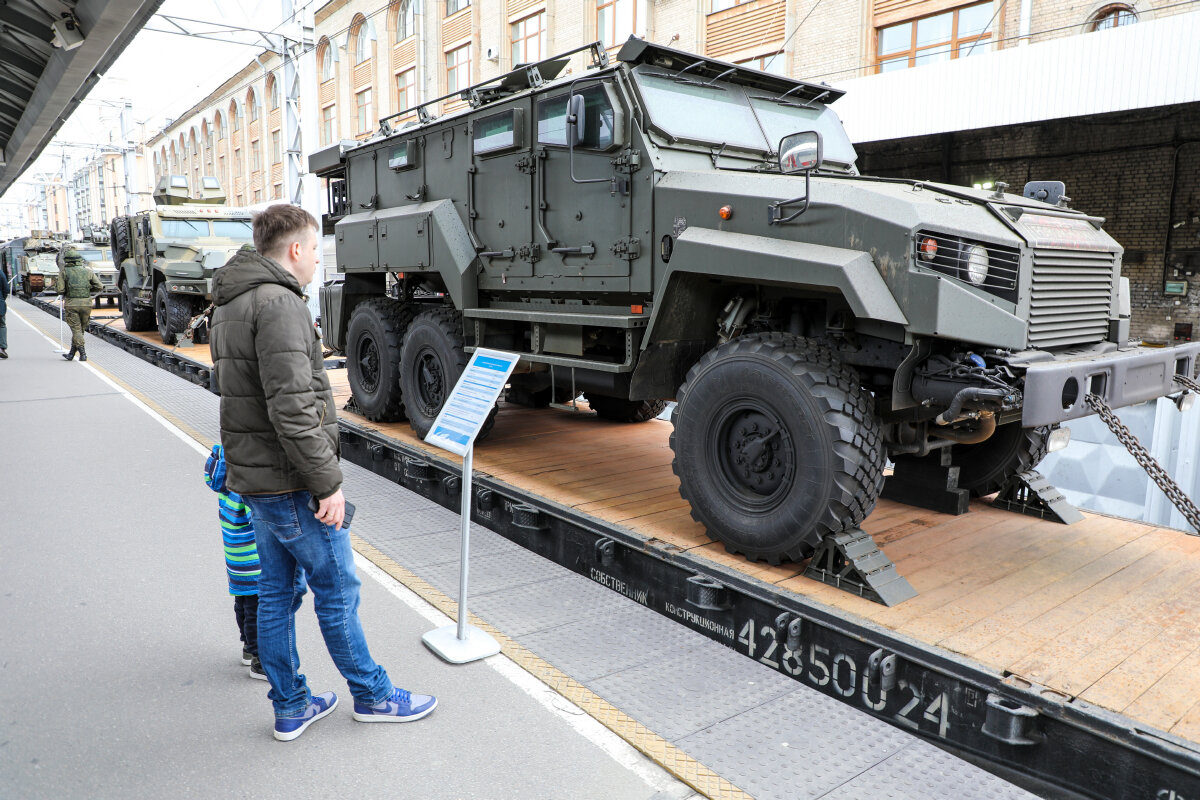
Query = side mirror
x=800 y=152
x=576 y=119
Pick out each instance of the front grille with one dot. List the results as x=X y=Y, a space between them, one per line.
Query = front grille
x=108 y=279
x=1072 y=292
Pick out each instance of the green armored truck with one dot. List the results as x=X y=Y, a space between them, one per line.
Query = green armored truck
x=166 y=257
x=33 y=261
x=669 y=226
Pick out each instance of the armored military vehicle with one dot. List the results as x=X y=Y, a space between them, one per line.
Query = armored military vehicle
x=33 y=260
x=166 y=257
x=94 y=250
x=673 y=226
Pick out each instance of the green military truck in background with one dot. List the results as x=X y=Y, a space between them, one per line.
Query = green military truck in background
x=166 y=257
x=670 y=226
x=33 y=259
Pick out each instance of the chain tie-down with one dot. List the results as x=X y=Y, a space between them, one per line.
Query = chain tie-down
x=1146 y=461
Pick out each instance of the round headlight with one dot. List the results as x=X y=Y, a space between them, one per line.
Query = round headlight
x=977 y=264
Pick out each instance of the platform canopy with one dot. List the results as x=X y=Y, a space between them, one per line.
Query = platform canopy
x=52 y=52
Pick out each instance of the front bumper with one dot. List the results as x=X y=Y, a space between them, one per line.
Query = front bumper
x=1055 y=391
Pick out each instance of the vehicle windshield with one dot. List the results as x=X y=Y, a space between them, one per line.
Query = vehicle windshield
x=91 y=255
x=184 y=228
x=233 y=229
x=689 y=111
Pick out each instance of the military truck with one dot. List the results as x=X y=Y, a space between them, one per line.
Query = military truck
x=671 y=226
x=167 y=256
x=93 y=247
x=33 y=260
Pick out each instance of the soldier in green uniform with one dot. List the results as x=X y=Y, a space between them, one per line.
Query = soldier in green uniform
x=77 y=283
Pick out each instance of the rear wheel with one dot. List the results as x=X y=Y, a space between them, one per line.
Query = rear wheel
x=137 y=318
x=173 y=314
x=619 y=409
x=373 y=340
x=434 y=356
x=776 y=445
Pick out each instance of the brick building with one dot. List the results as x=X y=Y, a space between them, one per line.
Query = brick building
x=375 y=58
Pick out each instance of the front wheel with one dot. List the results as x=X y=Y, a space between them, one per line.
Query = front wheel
x=137 y=318
x=173 y=314
x=618 y=409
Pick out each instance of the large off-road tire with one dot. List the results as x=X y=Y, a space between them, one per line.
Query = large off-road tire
x=172 y=313
x=619 y=409
x=26 y=291
x=137 y=318
x=373 y=340
x=118 y=237
x=432 y=360
x=776 y=445
x=984 y=468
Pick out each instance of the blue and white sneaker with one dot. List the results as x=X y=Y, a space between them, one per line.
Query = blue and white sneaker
x=401 y=706
x=319 y=705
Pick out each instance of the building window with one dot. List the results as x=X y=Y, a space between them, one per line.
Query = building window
x=406 y=20
x=529 y=39
x=775 y=63
x=275 y=154
x=458 y=69
x=237 y=162
x=721 y=5
x=937 y=38
x=327 y=124
x=362 y=44
x=252 y=101
x=258 y=195
x=362 y=105
x=255 y=156
x=221 y=167
x=273 y=93
x=455 y=6
x=236 y=113
x=326 y=62
x=615 y=21
x=406 y=89
x=1113 y=17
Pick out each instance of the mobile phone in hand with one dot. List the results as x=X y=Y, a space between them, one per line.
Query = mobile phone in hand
x=313 y=505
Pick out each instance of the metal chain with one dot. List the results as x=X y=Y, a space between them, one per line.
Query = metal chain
x=1188 y=383
x=1147 y=462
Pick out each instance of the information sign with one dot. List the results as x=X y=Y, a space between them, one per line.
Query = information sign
x=472 y=400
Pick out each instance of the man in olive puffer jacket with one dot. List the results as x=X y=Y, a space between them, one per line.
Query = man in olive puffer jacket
x=280 y=434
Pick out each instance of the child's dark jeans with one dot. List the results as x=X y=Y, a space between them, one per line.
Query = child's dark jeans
x=245 y=608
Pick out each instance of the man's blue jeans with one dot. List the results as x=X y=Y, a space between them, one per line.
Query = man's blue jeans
x=294 y=545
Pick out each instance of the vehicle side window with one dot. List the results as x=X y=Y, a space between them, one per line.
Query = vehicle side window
x=598 y=123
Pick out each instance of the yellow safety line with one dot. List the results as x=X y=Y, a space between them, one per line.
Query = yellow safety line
x=646 y=741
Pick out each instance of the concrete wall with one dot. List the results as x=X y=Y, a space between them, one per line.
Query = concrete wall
x=1125 y=167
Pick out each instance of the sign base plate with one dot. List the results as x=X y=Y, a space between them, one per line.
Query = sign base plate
x=445 y=642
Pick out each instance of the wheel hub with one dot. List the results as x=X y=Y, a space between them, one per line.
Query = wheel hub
x=756 y=454
x=368 y=364
x=430 y=382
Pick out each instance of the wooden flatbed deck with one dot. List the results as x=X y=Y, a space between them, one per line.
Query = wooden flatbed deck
x=1107 y=610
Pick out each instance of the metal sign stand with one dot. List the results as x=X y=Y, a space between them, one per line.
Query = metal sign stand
x=459 y=422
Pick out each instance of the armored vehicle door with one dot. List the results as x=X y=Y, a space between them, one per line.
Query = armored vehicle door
x=582 y=197
x=357 y=233
x=500 y=182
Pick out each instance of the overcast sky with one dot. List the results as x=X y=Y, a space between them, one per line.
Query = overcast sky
x=162 y=74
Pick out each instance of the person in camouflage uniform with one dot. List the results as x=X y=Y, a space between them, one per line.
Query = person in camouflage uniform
x=77 y=283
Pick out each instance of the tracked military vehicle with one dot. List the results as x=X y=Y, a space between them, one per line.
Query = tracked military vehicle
x=33 y=260
x=167 y=256
x=671 y=226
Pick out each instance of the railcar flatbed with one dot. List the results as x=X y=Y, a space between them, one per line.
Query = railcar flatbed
x=1069 y=653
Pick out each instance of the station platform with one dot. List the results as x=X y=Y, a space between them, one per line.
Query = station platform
x=116 y=615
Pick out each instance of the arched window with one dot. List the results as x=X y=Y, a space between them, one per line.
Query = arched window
x=252 y=104
x=219 y=124
x=403 y=19
x=325 y=59
x=273 y=91
x=1119 y=15
x=235 y=112
x=361 y=37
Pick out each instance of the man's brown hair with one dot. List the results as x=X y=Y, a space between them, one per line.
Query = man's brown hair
x=277 y=226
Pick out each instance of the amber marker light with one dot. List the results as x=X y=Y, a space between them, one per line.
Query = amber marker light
x=929 y=248
x=635 y=309
x=725 y=212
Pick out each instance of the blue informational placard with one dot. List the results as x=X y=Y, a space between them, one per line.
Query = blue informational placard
x=472 y=400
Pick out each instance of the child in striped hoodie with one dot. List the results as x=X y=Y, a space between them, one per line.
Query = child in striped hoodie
x=241 y=559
